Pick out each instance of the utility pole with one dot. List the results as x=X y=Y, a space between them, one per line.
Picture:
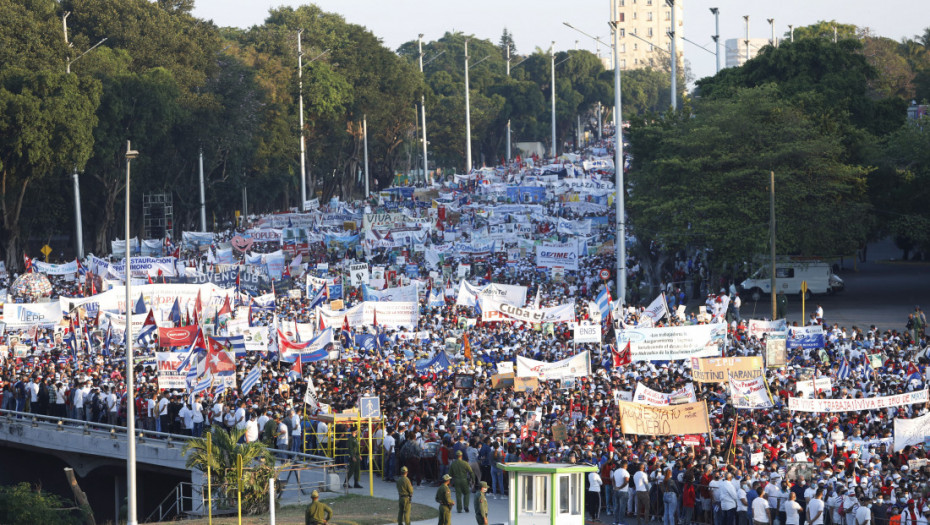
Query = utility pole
x=467 y=116
x=791 y=32
x=673 y=35
x=303 y=143
x=508 y=120
x=203 y=202
x=618 y=162
x=79 y=230
x=365 y=142
x=746 y=18
x=426 y=177
x=716 y=37
x=552 y=80
x=772 y=235
x=130 y=363
x=772 y=27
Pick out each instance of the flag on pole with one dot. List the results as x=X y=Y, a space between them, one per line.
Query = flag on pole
x=657 y=309
x=296 y=370
x=175 y=314
x=205 y=383
x=603 y=301
x=148 y=331
x=621 y=357
x=140 y=305
x=466 y=347
x=310 y=396
x=844 y=371
x=251 y=379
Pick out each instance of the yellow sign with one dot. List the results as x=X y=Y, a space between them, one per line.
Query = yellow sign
x=676 y=420
x=45 y=251
x=338 y=304
x=719 y=369
x=803 y=287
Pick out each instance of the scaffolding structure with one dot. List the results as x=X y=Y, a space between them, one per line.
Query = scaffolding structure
x=158 y=215
x=332 y=440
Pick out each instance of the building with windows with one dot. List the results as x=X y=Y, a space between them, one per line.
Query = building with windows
x=646 y=25
x=736 y=50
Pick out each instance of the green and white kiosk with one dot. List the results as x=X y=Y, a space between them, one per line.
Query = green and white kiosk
x=546 y=493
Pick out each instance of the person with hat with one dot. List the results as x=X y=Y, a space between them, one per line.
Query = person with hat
x=481 y=504
x=444 y=498
x=353 y=449
x=404 y=495
x=461 y=474
x=318 y=513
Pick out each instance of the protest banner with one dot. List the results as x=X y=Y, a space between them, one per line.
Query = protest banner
x=812 y=386
x=576 y=366
x=587 y=333
x=757 y=328
x=255 y=337
x=497 y=311
x=720 y=369
x=911 y=431
x=525 y=384
x=776 y=350
x=19 y=316
x=676 y=420
x=359 y=274
x=55 y=269
x=505 y=367
x=563 y=255
x=391 y=314
x=406 y=294
x=809 y=337
x=677 y=342
x=750 y=393
x=799 y=404
x=648 y=396
x=502 y=380
x=501 y=293
x=168 y=374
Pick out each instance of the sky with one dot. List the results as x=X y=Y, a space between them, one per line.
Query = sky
x=537 y=23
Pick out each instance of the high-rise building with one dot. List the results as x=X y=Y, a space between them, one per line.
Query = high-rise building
x=736 y=49
x=644 y=26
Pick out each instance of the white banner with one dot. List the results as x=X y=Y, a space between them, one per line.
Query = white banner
x=648 y=396
x=564 y=255
x=255 y=337
x=576 y=366
x=24 y=315
x=587 y=333
x=265 y=235
x=142 y=266
x=55 y=269
x=502 y=293
x=390 y=315
x=359 y=273
x=404 y=294
x=911 y=431
x=495 y=311
x=750 y=393
x=823 y=384
x=168 y=374
x=677 y=342
x=657 y=309
x=757 y=328
x=799 y=404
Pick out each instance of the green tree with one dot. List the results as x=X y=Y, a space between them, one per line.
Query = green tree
x=825 y=30
x=257 y=461
x=23 y=504
x=701 y=180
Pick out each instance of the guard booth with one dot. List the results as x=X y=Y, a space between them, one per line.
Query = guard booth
x=546 y=493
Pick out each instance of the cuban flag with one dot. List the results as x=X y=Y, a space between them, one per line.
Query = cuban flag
x=197 y=349
x=105 y=350
x=913 y=373
x=296 y=371
x=321 y=297
x=205 y=383
x=844 y=372
x=148 y=331
x=251 y=379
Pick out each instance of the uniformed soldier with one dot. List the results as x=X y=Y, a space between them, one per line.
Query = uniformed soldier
x=404 y=495
x=444 y=498
x=317 y=513
x=481 y=504
x=355 y=459
x=461 y=479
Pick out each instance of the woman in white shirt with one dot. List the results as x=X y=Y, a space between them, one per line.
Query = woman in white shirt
x=792 y=510
x=593 y=495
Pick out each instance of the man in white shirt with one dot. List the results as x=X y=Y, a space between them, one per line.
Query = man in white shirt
x=296 y=441
x=728 y=499
x=112 y=405
x=815 y=508
x=761 y=511
x=850 y=506
x=641 y=486
x=742 y=504
x=389 y=457
x=163 y=412
x=187 y=419
x=197 y=410
x=251 y=430
x=621 y=483
x=864 y=513
x=239 y=418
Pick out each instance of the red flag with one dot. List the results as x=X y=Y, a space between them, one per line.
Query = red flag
x=488 y=276
x=374 y=316
x=322 y=326
x=28 y=262
x=610 y=444
x=622 y=357
x=226 y=309
x=198 y=306
x=345 y=323
x=150 y=279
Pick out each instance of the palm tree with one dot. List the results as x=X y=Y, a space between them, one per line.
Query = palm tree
x=258 y=466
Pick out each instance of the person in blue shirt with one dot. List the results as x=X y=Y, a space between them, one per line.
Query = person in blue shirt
x=751 y=494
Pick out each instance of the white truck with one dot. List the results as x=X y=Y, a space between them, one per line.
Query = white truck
x=789 y=276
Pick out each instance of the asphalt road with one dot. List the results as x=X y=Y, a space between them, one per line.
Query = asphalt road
x=881 y=291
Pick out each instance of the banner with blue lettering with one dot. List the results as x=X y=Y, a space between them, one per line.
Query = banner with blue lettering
x=808 y=337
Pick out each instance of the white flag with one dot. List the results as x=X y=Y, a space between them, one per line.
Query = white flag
x=310 y=395
x=657 y=309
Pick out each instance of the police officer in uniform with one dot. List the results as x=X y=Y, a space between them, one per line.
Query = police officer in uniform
x=404 y=495
x=355 y=459
x=481 y=504
x=461 y=479
x=444 y=498
x=317 y=513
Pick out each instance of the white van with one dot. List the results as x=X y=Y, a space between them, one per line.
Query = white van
x=788 y=278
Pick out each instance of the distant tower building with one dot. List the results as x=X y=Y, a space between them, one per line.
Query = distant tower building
x=736 y=50
x=651 y=21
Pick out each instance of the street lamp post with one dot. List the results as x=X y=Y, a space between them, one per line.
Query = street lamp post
x=303 y=142
x=426 y=176
x=467 y=116
x=772 y=27
x=746 y=18
x=791 y=32
x=77 y=216
x=552 y=150
x=130 y=391
x=716 y=37
x=508 y=118
x=673 y=35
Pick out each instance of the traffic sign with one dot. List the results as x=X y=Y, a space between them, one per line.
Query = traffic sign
x=605 y=274
x=803 y=287
x=369 y=406
x=45 y=251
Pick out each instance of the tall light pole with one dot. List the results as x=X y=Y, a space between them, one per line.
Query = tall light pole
x=203 y=197
x=467 y=116
x=365 y=141
x=746 y=18
x=79 y=231
x=791 y=32
x=716 y=37
x=130 y=391
x=303 y=142
x=673 y=34
x=772 y=27
x=552 y=150
x=618 y=160
x=508 y=118
x=423 y=116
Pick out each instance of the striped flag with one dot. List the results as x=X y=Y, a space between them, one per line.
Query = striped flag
x=202 y=385
x=251 y=379
x=843 y=372
x=603 y=301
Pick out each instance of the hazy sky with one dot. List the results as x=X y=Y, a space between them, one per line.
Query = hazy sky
x=538 y=22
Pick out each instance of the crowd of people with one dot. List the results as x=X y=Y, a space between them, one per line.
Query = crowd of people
x=755 y=466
